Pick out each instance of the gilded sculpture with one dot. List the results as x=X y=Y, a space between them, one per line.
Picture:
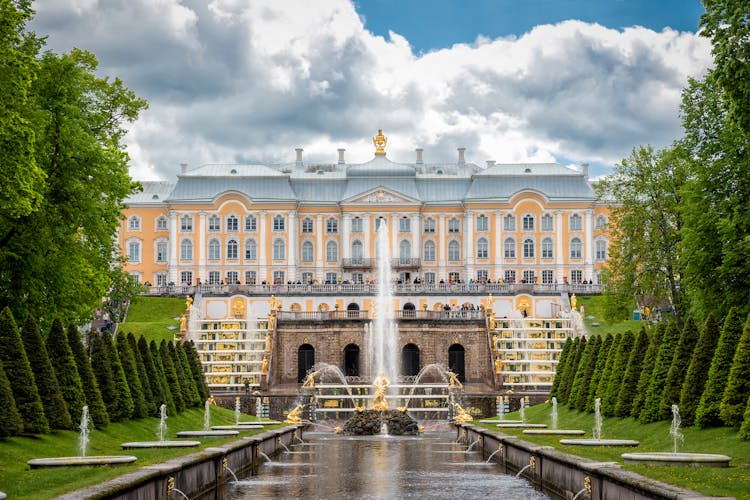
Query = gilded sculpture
x=379 y=141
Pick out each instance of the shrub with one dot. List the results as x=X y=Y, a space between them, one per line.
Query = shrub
x=171 y=374
x=156 y=356
x=650 y=411
x=620 y=364
x=601 y=361
x=571 y=368
x=583 y=366
x=679 y=368
x=66 y=370
x=733 y=404
x=197 y=370
x=606 y=374
x=648 y=368
x=566 y=350
x=700 y=364
x=130 y=369
x=632 y=373
x=582 y=394
x=11 y=422
x=97 y=408
x=148 y=396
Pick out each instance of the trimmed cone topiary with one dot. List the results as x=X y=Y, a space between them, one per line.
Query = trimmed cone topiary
x=678 y=370
x=700 y=364
x=148 y=396
x=195 y=396
x=564 y=354
x=619 y=366
x=650 y=411
x=197 y=370
x=583 y=364
x=601 y=388
x=171 y=374
x=152 y=375
x=97 y=409
x=11 y=422
x=738 y=385
x=601 y=361
x=745 y=427
x=130 y=369
x=632 y=373
x=582 y=394
x=156 y=356
x=579 y=344
x=123 y=404
x=66 y=370
x=649 y=361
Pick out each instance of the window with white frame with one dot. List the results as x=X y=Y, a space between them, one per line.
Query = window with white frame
x=527 y=222
x=278 y=277
x=186 y=277
x=134 y=251
x=510 y=276
x=136 y=276
x=483 y=223
x=307 y=225
x=186 y=250
x=483 y=249
x=509 y=222
x=134 y=223
x=454 y=276
x=160 y=279
x=601 y=222
x=429 y=278
x=233 y=223
x=251 y=278
x=358 y=251
x=576 y=222
x=358 y=278
x=548 y=223
x=214 y=223
x=186 y=224
x=162 y=247
x=332 y=251
x=279 y=223
x=378 y=222
x=548 y=248
x=404 y=225
x=454 y=225
x=528 y=248
x=308 y=278
x=251 y=223
x=357 y=225
x=332 y=226
x=404 y=251
x=214 y=277
x=214 y=249
x=251 y=250
x=162 y=223
x=529 y=276
x=307 y=251
x=454 y=251
x=233 y=278
x=332 y=278
x=509 y=247
x=429 y=225
x=576 y=248
x=576 y=276
x=429 y=251
x=547 y=277
x=233 y=249
x=279 y=249
x=601 y=250
x=482 y=275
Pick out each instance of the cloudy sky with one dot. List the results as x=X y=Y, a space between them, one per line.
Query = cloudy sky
x=232 y=81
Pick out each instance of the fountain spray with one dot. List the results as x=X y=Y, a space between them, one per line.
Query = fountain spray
x=162 y=422
x=674 y=429
x=385 y=336
x=83 y=438
x=597 y=434
x=207 y=416
x=554 y=413
x=237 y=410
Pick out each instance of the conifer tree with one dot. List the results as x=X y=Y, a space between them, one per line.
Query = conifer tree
x=619 y=366
x=582 y=395
x=182 y=355
x=21 y=378
x=124 y=406
x=571 y=368
x=632 y=374
x=650 y=411
x=583 y=362
x=156 y=356
x=708 y=412
x=130 y=369
x=102 y=368
x=649 y=361
x=601 y=361
x=678 y=370
x=700 y=364
x=11 y=422
x=49 y=389
x=603 y=385
x=148 y=396
x=564 y=353
x=733 y=403
x=171 y=374
x=93 y=396
x=187 y=386
x=66 y=370
x=196 y=369
x=745 y=427
x=152 y=375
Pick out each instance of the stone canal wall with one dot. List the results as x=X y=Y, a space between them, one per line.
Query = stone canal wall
x=200 y=475
x=565 y=476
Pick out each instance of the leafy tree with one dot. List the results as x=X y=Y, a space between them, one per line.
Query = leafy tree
x=168 y=398
x=651 y=411
x=171 y=375
x=708 y=412
x=583 y=366
x=11 y=422
x=564 y=354
x=644 y=379
x=197 y=370
x=66 y=370
x=21 y=378
x=632 y=373
x=130 y=369
x=148 y=395
x=679 y=368
x=123 y=406
x=725 y=22
x=620 y=364
x=594 y=345
x=607 y=371
x=97 y=409
x=700 y=363
x=733 y=404
x=571 y=368
x=49 y=389
x=645 y=234
x=601 y=361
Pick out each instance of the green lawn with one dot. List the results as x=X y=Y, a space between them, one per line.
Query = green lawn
x=592 y=306
x=733 y=481
x=19 y=481
x=151 y=317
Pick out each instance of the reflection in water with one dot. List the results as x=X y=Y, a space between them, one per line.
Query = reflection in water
x=381 y=467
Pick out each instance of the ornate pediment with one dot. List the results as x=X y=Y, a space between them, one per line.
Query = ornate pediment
x=380 y=196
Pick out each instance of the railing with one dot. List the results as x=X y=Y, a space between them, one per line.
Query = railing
x=322 y=315
x=358 y=263
x=405 y=263
x=461 y=314
x=405 y=315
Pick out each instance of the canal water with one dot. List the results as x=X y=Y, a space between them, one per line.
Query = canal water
x=329 y=466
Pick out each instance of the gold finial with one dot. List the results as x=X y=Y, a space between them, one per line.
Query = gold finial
x=380 y=141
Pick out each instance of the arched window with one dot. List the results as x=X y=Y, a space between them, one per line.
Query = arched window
x=357 y=225
x=279 y=249
x=429 y=251
x=332 y=226
x=307 y=251
x=404 y=251
x=547 y=222
x=358 y=252
x=601 y=250
x=509 y=222
x=332 y=251
x=279 y=223
x=601 y=222
x=528 y=222
x=251 y=223
x=576 y=222
x=456 y=362
x=134 y=251
x=410 y=360
x=186 y=224
x=483 y=249
x=547 y=248
x=251 y=250
x=232 y=249
x=429 y=225
x=307 y=225
x=510 y=248
x=483 y=223
x=214 y=250
x=454 y=225
x=404 y=225
x=528 y=248
x=233 y=223
x=305 y=361
x=454 y=251
x=575 y=248
x=162 y=247
x=351 y=360
x=162 y=224
x=134 y=223
x=186 y=250
x=214 y=223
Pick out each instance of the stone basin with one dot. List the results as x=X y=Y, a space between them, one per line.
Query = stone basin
x=496 y=421
x=683 y=459
x=235 y=427
x=196 y=434
x=554 y=432
x=161 y=444
x=600 y=442
x=260 y=422
x=521 y=426
x=38 y=463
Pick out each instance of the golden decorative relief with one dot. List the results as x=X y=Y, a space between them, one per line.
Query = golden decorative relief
x=379 y=141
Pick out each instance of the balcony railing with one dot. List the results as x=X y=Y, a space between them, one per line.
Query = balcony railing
x=404 y=263
x=404 y=315
x=358 y=263
x=323 y=315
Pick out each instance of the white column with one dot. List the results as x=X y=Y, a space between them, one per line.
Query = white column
x=201 y=250
x=320 y=275
x=499 y=246
x=367 y=254
x=291 y=263
x=559 y=257
x=588 y=268
x=443 y=256
x=416 y=240
x=469 y=245
x=393 y=230
x=262 y=259
x=346 y=222
x=173 y=257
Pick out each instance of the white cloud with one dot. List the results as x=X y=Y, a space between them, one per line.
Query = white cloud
x=233 y=80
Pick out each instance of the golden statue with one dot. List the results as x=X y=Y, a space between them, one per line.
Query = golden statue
x=381 y=384
x=338 y=430
x=294 y=415
x=379 y=141
x=573 y=301
x=495 y=341
x=183 y=323
x=273 y=303
x=268 y=342
x=271 y=321
x=188 y=302
x=462 y=415
x=498 y=366
x=264 y=366
x=453 y=381
x=491 y=322
x=488 y=302
x=309 y=382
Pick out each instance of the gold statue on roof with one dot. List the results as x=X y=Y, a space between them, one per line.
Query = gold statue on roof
x=380 y=141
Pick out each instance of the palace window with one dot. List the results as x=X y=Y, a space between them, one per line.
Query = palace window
x=429 y=225
x=186 y=277
x=233 y=223
x=601 y=250
x=233 y=278
x=232 y=250
x=429 y=251
x=356 y=225
x=575 y=248
x=332 y=226
x=186 y=224
x=482 y=276
x=509 y=248
x=160 y=279
x=576 y=276
x=547 y=222
x=161 y=251
x=454 y=251
x=307 y=225
x=358 y=251
x=454 y=225
x=307 y=278
x=307 y=251
x=380 y=220
x=510 y=276
x=483 y=249
x=214 y=277
x=547 y=248
x=528 y=276
x=162 y=223
x=429 y=278
x=279 y=223
x=358 y=278
x=404 y=251
x=186 y=250
x=509 y=222
x=528 y=248
x=134 y=223
x=332 y=251
x=214 y=223
x=134 y=251
x=332 y=278
x=279 y=250
x=483 y=223
x=601 y=222
x=214 y=250
x=528 y=222
x=454 y=277
x=404 y=225
x=251 y=223
x=547 y=277
x=278 y=277
x=250 y=278
x=576 y=222
x=251 y=250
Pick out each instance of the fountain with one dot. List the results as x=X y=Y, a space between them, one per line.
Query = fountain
x=82 y=460
x=515 y=424
x=162 y=432
x=554 y=431
x=207 y=431
x=294 y=416
x=675 y=458
x=596 y=439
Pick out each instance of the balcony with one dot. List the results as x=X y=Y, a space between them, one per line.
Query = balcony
x=404 y=263
x=358 y=263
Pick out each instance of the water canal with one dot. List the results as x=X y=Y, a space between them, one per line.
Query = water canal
x=329 y=466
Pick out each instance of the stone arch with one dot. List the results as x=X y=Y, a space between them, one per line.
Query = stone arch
x=305 y=361
x=410 y=360
x=457 y=361
x=351 y=360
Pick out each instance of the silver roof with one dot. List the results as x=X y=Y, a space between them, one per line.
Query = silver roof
x=153 y=193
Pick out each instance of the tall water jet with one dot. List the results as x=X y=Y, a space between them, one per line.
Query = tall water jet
x=162 y=422
x=237 y=410
x=597 y=432
x=385 y=335
x=554 y=413
x=207 y=416
x=522 y=411
x=674 y=429
x=83 y=438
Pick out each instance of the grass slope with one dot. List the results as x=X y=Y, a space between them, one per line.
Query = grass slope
x=150 y=316
x=733 y=481
x=592 y=306
x=17 y=480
